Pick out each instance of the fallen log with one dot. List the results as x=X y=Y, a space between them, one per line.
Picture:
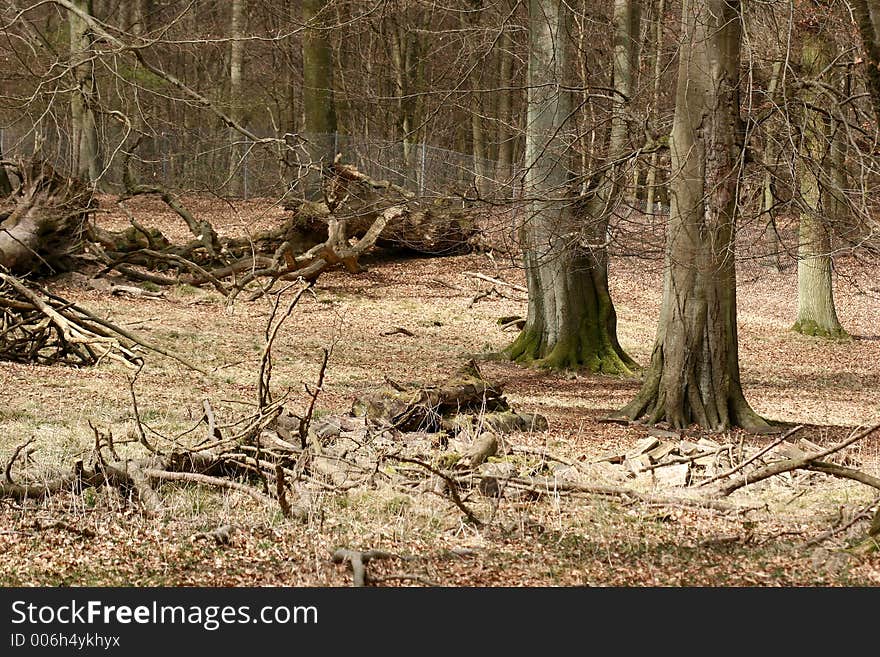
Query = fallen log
x=43 y=222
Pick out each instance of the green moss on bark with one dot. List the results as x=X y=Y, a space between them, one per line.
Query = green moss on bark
x=812 y=328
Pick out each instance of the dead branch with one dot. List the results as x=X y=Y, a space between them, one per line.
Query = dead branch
x=14 y=457
x=806 y=462
x=495 y=281
x=551 y=486
x=195 y=477
x=358 y=561
x=451 y=486
x=785 y=436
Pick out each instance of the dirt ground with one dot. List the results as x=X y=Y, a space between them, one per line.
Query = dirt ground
x=99 y=539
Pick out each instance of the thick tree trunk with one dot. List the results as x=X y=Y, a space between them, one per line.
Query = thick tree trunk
x=318 y=100
x=694 y=372
x=571 y=321
x=819 y=177
x=85 y=148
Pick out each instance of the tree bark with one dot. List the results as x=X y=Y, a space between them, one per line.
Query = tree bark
x=571 y=321
x=820 y=175
x=318 y=99
x=504 y=168
x=651 y=181
x=867 y=15
x=85 y=148
x=5 y=185
x=694 y=372
x=236 y=61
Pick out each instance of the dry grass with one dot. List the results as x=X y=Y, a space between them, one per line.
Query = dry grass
x=831 y=386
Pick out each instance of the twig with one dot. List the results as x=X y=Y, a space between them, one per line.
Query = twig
x=307 y=420
x=15 y=456
x=496 y=281
x=755 y=456
x=137 y=416
x=451 y=486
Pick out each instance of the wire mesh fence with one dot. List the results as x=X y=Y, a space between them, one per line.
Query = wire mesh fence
x=197 y=159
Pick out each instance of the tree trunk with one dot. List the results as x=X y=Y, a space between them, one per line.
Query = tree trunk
x=768 y=198
x=819 y=177
x=651 y=182
x=867 y=15
x=5 y=185
x=571 y=321
x=318 y=101
x=694 y=372
x=504 y=169
x=236 y=60
x=85 y=149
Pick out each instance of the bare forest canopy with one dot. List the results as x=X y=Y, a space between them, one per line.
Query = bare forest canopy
x=558 y=134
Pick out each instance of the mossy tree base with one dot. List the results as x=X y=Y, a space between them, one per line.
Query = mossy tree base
x=580 y=352
x=814 y=329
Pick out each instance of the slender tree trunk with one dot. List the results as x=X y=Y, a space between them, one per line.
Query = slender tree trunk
x=694 y=372
x=571 y=321
x=5 y=185
x=236 y=61
x=651 y=182
x=84 y=133
x=318 y=101
x=768 y=200
x=820 y=176
x=505 y=101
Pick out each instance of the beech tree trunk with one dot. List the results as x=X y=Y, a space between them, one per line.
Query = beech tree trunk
x=821 y=172
x=84 y=138
x=694 y=372
x=236 y=61
x=318 y=100
x=867 y=15
x=571 y=321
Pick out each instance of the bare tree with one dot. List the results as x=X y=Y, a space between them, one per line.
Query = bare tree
x=571 y=320
x=85 y=146
x=318 y=99
x=821 y=187
x=694 y=372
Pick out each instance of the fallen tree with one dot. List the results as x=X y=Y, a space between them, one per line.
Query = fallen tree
x=42 y=222
x=48 y=222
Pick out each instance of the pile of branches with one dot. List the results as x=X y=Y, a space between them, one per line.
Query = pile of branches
x=37 y=326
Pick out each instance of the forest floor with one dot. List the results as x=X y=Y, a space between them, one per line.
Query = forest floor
x=99 y=539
